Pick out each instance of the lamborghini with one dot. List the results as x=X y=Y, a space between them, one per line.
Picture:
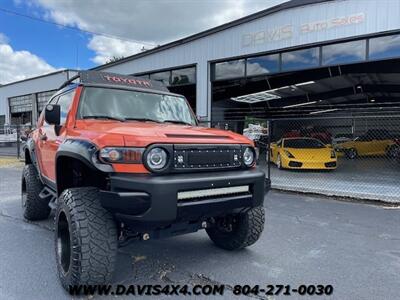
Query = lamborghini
x=303 y=153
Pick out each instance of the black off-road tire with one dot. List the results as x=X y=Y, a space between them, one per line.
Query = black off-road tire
x=34 y=207
x=246 y=230
x=86 y=238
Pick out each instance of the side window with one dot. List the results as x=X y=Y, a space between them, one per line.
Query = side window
x=364 y=138
x=65 y=101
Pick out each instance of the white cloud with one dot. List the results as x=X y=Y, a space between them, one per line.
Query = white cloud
x=107 y=48
x=3 y=38
x=18 y=65
x=145 y=22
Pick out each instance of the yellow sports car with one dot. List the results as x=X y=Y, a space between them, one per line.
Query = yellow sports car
x=303 y=153
x=368 y=146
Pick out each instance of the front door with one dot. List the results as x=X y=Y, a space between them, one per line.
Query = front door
x=50 y=137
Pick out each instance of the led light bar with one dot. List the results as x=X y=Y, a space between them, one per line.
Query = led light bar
x=213 y=192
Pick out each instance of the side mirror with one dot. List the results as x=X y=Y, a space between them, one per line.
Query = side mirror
x=52 y=114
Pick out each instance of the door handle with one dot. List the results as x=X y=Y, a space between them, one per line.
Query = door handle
x=43 y=137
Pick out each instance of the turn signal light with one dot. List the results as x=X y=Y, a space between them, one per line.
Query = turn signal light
x=121 y=155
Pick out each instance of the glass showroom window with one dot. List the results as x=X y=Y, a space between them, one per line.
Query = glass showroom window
x=43 y=98
x=183 y=76
x=344 y=53
x=262 y=64
x=229 y=69
x=384 y=47
x=300 y=59
x=163 y=77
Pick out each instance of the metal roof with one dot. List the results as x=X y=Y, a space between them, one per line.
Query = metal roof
x=39 y=76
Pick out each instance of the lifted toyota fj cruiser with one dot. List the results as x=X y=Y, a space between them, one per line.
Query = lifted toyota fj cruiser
x=120 y=158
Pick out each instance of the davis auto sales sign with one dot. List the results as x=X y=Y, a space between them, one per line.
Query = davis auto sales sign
x=287 y=31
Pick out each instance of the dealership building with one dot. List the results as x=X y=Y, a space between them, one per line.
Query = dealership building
x=303 y=59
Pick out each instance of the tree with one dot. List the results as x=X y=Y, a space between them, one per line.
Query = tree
x=114 y=59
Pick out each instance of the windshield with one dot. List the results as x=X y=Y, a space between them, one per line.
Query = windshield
x=303 y=144
x=122 y=105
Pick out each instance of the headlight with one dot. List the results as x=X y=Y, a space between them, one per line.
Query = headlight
x=122 y=155
x=333 y=154
x=248 y=157
x=156 y=158
x=288 y=154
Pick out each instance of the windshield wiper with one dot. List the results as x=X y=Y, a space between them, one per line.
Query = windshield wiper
x=177 y=122
x=104 y=117
x=143 y=119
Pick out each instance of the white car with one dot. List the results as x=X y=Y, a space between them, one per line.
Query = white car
x=341 y=138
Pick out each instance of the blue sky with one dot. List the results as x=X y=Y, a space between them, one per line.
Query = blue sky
x=57 y=45
x=119 y=28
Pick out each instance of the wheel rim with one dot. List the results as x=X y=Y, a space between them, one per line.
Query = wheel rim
x=227 y=224
x=392 y=151
x=352 y=153
x=24 y=194
x=63 y=243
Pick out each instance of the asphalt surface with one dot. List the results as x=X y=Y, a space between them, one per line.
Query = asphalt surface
x=308 y=240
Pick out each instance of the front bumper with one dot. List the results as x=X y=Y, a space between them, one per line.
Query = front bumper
x=311 y=165
x=153 y=199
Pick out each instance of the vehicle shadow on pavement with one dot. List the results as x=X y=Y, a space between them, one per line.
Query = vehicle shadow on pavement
x=187 y=259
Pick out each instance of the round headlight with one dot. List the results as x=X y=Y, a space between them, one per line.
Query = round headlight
x=248 y=157
x=156 y=158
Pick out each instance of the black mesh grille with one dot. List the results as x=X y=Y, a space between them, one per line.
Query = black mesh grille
x=207 y=156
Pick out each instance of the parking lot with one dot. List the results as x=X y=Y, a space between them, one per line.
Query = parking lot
x=307 y=240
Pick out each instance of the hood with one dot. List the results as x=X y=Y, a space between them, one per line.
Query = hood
x=141 y=134
x=310 y=154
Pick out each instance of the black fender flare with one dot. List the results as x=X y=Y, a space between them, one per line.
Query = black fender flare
x=30 y=146
x=84 y=151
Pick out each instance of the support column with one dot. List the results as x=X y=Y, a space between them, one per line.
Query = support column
x=34 y=109
x=203 y=91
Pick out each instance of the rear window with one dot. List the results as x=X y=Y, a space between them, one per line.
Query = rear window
x=303 y=144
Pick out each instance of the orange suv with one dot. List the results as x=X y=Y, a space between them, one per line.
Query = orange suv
x=120 y=158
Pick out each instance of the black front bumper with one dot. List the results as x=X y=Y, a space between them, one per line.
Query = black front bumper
x=153 y=199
